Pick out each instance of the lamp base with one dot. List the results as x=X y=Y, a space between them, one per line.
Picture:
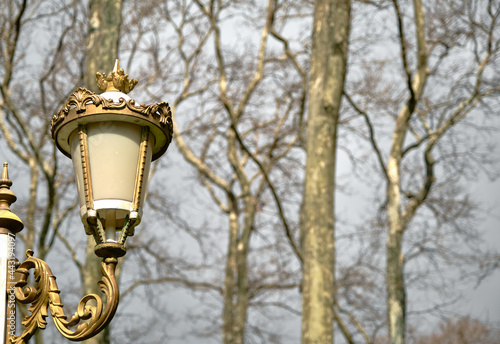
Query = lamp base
x=110 y=249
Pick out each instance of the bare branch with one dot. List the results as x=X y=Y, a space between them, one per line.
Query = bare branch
x=372 y=133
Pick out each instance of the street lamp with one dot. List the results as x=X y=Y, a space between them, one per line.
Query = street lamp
x=111 y=141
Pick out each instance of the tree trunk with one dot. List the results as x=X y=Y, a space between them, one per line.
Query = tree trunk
x=236 y=275
x=328 y=69
x=228 y=335
x=242 y=299
x=236 y=279
x=396 y=294
x=102 y=50
x=103 y=39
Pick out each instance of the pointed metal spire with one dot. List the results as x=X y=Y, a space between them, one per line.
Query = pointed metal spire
x=117 y=66
x=5 y=181
x=8 y=220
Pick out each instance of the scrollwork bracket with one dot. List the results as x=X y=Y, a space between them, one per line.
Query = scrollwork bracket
x=88 y=319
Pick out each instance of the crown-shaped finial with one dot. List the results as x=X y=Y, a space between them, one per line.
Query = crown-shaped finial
x=116 y=81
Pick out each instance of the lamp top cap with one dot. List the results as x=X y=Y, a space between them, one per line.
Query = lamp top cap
x=116 y=81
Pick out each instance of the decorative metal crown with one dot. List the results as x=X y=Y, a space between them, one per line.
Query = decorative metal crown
x=117 y=80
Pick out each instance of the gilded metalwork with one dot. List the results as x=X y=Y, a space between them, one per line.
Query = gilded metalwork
x=83 y=103
x=84 y=155
x=105 y=249
x=161 y=110
x=117 y=80
x=46 y=296
x=141 y=165
x=110 y=249
x=8 y=220
x=77 y=101
x=97 y=230
x=127 y=230
x=82 y=100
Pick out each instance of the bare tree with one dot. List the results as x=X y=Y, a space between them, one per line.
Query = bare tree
x=427 y=103
x=239 y=145
x=28 y=100
x=240 y=180
x=214 y=79
x=326 y=84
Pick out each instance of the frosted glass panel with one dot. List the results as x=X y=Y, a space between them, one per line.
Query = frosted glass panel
x=77 y=166
x=113 y=157
x=114 y=152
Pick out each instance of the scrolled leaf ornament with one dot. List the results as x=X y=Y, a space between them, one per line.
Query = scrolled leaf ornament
x=109 y=104
x=161 y=110
x=46 y=296
x=77 y=100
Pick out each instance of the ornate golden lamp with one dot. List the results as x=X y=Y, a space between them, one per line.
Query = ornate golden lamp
x=111 y=142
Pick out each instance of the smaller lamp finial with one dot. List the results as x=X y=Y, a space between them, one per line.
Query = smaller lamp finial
x=8 y=220
x=5 y=182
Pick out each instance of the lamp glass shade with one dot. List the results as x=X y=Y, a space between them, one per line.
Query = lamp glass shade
x=77 y=167
x=113 y=156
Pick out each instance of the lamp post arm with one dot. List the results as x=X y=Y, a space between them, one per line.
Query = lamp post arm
x=46 y=296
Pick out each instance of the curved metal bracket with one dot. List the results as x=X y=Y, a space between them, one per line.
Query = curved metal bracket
x=46 y=296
